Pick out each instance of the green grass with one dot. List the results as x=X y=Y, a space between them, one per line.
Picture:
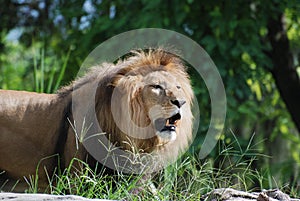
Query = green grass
x=187 y=179
x=41 y=71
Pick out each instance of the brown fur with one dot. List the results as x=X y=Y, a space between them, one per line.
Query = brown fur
x=35 y=127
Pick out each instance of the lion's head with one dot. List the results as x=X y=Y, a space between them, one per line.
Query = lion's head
x=144 y=101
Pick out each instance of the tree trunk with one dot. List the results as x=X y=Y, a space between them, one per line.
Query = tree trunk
x=284 y=71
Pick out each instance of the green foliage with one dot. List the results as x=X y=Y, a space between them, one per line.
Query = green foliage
x=32 y=69
x=50 y=71
x=13 y=67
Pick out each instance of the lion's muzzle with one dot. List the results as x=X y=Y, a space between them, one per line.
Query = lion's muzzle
x=166 y=128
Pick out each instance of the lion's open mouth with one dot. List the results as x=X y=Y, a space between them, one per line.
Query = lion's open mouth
x=165 y=125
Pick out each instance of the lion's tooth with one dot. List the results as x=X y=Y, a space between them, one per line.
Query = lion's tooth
x=172 y=127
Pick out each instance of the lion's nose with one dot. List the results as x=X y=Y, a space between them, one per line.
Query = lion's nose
x=178 y=103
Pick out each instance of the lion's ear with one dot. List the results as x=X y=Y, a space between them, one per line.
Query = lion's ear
x=115 y=80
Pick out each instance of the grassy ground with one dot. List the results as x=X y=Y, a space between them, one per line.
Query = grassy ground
x=187 y=179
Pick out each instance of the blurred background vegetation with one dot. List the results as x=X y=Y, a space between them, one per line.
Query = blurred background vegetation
x=255 y=45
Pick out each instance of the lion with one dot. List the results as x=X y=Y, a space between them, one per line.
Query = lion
x=140 y=104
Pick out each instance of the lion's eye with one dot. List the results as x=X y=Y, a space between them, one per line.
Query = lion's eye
x=178 y=87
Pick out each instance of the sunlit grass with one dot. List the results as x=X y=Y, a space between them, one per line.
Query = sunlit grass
x=187 y=179
x=54 y=73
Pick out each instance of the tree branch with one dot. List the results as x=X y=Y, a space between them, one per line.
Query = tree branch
x=284 y=71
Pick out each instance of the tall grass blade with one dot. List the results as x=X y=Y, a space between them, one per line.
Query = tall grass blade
x=42 y=70
x=63 y=69
x=51 y=78
x=35 y=71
